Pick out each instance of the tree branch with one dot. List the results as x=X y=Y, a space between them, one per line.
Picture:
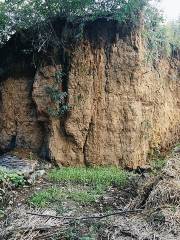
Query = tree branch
x=87 y=217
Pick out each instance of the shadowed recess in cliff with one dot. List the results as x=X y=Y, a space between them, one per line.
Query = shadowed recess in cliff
x=19 y=127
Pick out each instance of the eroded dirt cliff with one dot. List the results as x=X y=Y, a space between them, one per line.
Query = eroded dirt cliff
x=121 y=107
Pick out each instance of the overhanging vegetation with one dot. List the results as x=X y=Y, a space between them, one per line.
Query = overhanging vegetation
x=16 y=15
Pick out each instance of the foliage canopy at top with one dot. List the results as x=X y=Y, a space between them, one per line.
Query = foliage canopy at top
x=22 y=14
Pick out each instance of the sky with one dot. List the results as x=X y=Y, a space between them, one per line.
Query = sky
x=171 y=8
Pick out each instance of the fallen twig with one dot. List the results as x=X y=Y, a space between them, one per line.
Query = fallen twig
x=86 y=217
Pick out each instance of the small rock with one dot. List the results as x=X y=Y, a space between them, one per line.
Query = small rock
x=13 y=163
x=147 y=168
x=32 y=178
x=176 y=149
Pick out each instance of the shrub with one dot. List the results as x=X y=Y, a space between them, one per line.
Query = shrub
x=11 y=177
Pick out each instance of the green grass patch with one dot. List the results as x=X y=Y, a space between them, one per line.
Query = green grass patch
x=98 y=176
x=45 y=197
x=53 y=196
x=83 y=185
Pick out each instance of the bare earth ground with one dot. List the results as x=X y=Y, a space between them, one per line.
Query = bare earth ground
x=147 y=208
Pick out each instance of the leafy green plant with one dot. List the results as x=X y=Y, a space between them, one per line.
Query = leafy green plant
x=161 y=38
x=58 y=97
x=8 y=179
x=31 y=156
x=11 y=177
x=173 y=33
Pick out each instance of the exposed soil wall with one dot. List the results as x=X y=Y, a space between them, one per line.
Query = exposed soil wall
x=121 y=107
